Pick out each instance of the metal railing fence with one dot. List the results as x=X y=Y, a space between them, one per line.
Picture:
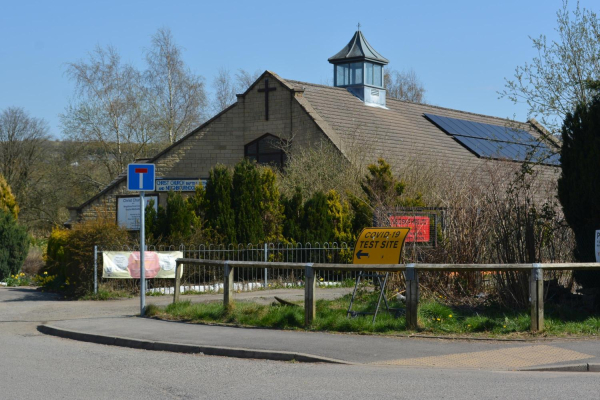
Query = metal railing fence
x=209 y=278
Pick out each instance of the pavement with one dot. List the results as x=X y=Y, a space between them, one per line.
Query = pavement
x=120 y=329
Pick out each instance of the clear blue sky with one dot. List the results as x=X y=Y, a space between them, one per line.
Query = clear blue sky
x=460 y=50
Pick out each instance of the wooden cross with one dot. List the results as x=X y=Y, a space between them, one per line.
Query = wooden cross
x=267 y=89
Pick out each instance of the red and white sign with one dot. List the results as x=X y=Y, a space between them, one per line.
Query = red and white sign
x=419 y=227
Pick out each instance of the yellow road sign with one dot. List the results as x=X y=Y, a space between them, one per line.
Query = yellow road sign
x=379 y=245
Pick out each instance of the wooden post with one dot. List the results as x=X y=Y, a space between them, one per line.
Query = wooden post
x=310 y=309
x=227 y=285
x=536 y=296
x=412 y=296
x=177 y=282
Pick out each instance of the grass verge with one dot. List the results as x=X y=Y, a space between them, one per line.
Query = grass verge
x=434 y=318
x=107 y=294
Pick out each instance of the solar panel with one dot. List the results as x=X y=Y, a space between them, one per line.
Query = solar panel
x=494 y=141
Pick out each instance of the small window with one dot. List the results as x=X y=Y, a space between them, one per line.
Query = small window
x=349 y=74
x=266 y=150
x=374 y=74
x=357 y=74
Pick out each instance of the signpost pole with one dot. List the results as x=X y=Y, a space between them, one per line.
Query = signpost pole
x=95 y=269
x=142 y=178
x=266 y=259
x=142 y=249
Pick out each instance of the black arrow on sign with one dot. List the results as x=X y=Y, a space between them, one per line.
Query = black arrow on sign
x=361 y=254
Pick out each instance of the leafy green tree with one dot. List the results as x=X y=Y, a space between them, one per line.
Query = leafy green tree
x=339 y=212
x=219 y=213
x=7 y=200
x=293 y=213
x=382 y=190
x=579 y=183
x=246 y=202
x=362 y=214
x=14 y=244
x=180 y=218
x=317 y=223
x=271 y=208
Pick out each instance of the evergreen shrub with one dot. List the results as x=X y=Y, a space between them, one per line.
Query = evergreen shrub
x=14 y=245
x=7 y=199
x=70 y=254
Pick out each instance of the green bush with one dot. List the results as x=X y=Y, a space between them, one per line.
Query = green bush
x=219 y=213
x=7 y=199
x=293 y=213
x=270 y=206
x=14 y=245
x=70 y=254
x=317 y=222
x=579 y=183
x=246 y=201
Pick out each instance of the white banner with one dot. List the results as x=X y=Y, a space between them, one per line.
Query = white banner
x=126 y=264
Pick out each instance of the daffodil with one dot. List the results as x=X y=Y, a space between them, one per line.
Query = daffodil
x=450 y=316
x=504 y=326
x=45 y=272
x=438 y=319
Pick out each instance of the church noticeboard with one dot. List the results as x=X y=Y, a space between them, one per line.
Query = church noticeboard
x=179 y=185
x=129 y=213
x=379 y=245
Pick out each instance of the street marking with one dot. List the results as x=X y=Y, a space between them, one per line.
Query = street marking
x=502 y=359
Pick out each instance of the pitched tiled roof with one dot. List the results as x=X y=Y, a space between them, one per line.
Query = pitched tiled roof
x=400 y=131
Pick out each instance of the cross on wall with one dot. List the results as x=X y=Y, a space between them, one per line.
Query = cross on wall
x=266 y=90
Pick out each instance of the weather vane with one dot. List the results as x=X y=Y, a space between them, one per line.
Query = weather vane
x=358 y=26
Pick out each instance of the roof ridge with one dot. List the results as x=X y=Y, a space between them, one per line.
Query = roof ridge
x=412 y=102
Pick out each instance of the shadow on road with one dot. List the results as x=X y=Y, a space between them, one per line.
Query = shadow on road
x=27 y=294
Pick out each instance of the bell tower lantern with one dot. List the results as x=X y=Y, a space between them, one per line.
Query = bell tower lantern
x=359 y=69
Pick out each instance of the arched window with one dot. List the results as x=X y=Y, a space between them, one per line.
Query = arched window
x=267 y=149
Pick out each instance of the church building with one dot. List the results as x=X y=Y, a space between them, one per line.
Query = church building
x=353 y=114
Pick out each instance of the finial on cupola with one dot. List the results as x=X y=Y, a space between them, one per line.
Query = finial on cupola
x=358 y=67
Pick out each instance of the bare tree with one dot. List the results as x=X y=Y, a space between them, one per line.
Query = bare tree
x=226 y=87
x=404 y=85
x=244 y=79
x=178 y=98
x=559 y=77
x=225 y=90
x=109 y=111
x=22 y=139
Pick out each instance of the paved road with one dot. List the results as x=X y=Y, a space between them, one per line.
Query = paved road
x=35 y=366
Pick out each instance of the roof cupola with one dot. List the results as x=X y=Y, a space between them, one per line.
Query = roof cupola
x=358 y=67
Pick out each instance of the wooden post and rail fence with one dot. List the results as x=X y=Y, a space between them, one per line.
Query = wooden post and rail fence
x=411 y=271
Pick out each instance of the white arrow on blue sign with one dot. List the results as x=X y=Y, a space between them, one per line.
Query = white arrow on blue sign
x=140 y=177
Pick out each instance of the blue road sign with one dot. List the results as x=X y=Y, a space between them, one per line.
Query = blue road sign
x=140 y=177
